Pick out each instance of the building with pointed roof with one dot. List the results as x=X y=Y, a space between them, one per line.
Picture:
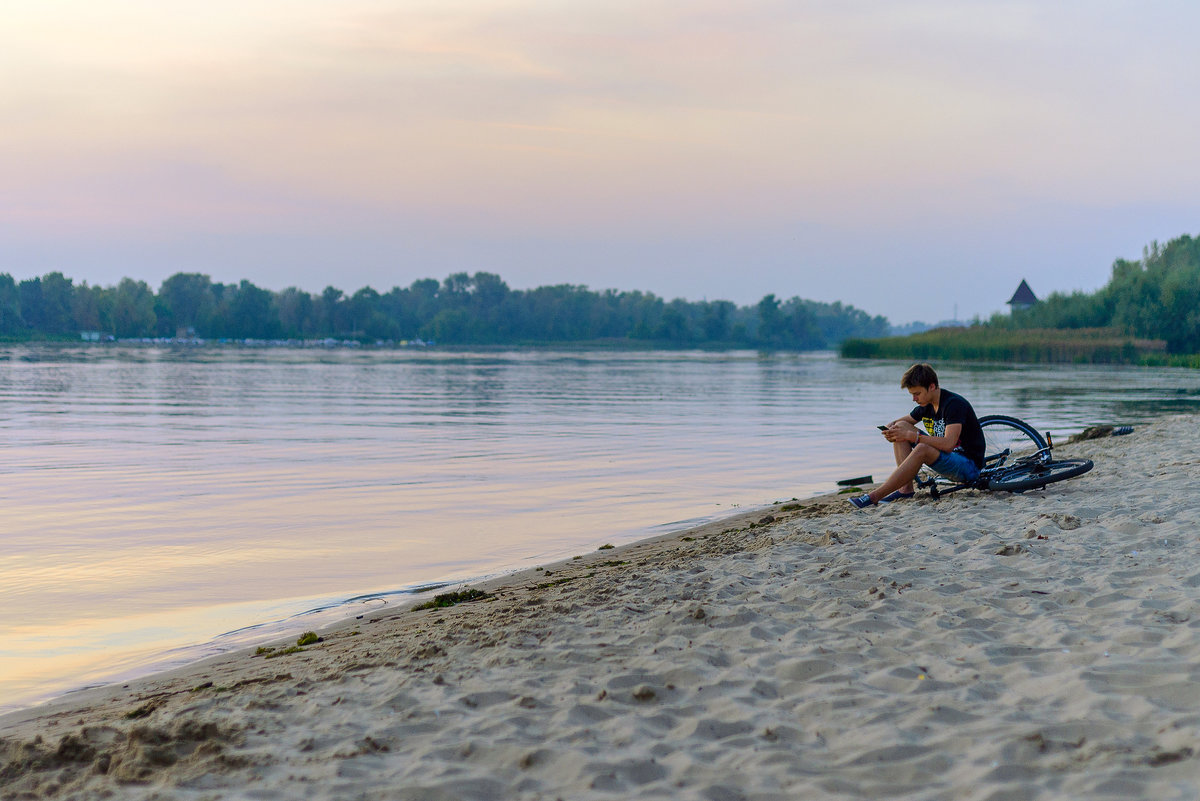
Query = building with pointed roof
x=1023 y=298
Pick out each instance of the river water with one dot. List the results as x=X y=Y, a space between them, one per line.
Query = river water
x=164 y=504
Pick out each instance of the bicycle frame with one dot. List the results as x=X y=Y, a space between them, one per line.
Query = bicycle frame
x=992 y=467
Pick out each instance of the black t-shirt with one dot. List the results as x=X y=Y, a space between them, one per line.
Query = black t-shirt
x=954 y=409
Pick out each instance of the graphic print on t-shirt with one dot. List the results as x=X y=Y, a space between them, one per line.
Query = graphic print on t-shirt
x=934 y=428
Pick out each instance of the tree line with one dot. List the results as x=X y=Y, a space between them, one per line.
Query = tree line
x=1156 y=297
x=462 y=309
x=1147 y=313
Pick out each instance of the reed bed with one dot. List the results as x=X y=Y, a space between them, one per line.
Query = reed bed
x=1033 y=346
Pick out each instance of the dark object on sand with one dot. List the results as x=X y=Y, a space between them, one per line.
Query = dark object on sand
x=850 y=482
x=1100 y=432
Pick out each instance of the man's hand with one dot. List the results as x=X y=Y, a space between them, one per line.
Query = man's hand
x=894 y=433
x=901 y=432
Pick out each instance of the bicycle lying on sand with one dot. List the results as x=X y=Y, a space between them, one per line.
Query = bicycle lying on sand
x=1016 y=458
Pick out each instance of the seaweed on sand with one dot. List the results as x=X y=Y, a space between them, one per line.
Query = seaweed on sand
x=451 y=598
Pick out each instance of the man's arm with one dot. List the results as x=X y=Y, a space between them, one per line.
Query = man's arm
x=945 y=443
x=903 y=429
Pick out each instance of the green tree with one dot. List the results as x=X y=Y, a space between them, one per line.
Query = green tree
x=450 y=326
x=185 y=301
x=57 y=301
x=770 y=321
x=11 y=322
x=362 y=308
x=91 y=307
x=133 y=309
x=30 y=293
x=331 y=311
x=799 y=326
x=674 y=326
x=295 y=310
x=716 y=320
x=250 y=313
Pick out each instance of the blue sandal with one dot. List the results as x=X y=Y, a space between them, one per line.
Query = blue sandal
x=861 y=501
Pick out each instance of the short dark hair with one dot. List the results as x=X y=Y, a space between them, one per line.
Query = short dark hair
x=919 y=375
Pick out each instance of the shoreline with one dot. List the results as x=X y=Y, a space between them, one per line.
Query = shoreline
x=160 y=663
x=1037 y=646
x=492 y=584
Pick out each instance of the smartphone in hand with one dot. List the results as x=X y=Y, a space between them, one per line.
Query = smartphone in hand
x=882 y=428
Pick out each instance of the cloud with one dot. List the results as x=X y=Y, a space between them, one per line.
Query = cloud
x=518 y=122
x=520 y=107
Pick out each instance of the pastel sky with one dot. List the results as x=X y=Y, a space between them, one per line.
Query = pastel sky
x=911 y=158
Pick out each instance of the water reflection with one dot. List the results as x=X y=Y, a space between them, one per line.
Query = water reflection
x=208 y=491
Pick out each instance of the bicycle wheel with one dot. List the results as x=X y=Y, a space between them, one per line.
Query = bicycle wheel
x=1003 y=433
x=1032 y=476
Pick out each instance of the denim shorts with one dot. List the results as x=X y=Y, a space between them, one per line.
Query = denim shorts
x=956 y=466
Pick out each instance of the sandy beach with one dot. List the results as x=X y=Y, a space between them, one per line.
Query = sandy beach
x=981 y=646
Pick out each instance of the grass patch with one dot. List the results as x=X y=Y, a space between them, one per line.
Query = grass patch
x=447 y=599
x=606 y=547
x=294 y=649
x=789 y=507
x=308 y=638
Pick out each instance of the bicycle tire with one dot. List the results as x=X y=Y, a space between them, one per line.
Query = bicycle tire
x=1037 y=475
x=1001 y=433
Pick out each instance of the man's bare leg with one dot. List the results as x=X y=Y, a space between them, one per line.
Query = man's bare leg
x=901 y=449
x=906 y=471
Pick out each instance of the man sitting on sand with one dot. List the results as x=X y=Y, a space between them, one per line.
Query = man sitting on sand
x=948 y=438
